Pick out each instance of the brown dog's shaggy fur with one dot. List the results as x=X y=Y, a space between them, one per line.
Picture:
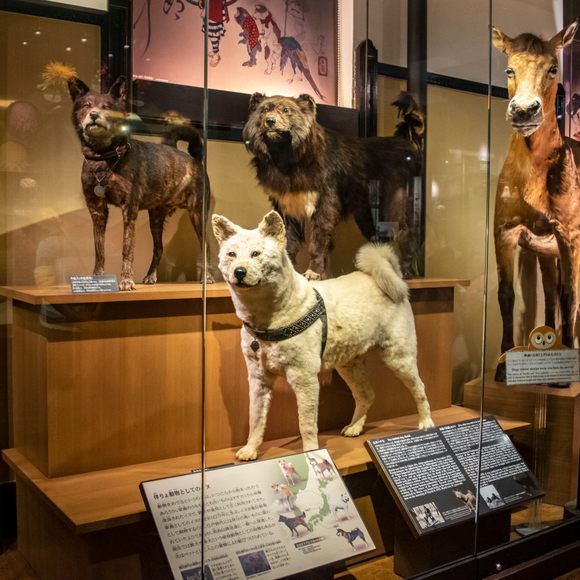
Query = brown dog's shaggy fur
x=308 y=171
x=134 y=175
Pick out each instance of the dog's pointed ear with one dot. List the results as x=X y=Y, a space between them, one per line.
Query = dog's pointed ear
x=255 y=100
x=223 y=228
x=565 y=36
x=500 y=40
x=76 y=88
x=307 y=103
x=118 y=89
x=273 y=225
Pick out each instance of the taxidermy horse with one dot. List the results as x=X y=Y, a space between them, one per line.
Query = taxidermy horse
x=538 y=194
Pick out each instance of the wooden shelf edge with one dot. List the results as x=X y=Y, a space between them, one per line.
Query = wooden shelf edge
x=98 y=500
x=572 y=391
x=37 y=295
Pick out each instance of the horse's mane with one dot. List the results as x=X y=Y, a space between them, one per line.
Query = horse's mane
x=531 y=43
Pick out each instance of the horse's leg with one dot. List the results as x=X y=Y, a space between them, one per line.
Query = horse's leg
x=550 y=279
x=505 y=249
x=569 y=265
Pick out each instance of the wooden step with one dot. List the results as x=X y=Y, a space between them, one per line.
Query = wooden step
x=104 y=499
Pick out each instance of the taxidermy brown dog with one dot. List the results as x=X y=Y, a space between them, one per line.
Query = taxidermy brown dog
x=308 y=171
x=134 y=175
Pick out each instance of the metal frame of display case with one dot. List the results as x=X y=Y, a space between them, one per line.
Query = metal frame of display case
x=544 y=554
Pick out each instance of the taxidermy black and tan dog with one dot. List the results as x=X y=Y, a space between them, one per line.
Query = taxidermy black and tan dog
x=135 y=175
x=308 y=171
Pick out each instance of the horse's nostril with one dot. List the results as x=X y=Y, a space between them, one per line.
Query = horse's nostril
x=534 y=107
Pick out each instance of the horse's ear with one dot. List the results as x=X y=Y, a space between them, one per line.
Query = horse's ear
x=500 y=40
x=565 y=36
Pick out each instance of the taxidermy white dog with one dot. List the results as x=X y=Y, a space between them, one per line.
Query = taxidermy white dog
x=294 y=328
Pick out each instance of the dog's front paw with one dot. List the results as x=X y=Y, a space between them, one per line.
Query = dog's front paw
x=247 y=453
x=426 y=423
x=150 y=279
x=126 y=284
x=351 y=431
x=311 y=275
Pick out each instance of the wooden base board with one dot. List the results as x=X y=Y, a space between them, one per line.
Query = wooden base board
x=94 y=525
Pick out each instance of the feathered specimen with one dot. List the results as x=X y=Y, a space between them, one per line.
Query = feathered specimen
x=57 y=74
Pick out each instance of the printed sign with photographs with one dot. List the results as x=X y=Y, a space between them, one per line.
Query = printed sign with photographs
x=433 y=474
x=284 y=47
x=270 y=518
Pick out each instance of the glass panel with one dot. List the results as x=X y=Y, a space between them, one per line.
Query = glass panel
x=541 y=405
x=102 y=391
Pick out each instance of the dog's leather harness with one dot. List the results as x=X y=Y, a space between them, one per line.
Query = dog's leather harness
x=275 y=335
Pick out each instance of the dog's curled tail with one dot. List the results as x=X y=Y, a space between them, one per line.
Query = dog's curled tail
x=381 y=263
x=412 y=124
x=185 y=133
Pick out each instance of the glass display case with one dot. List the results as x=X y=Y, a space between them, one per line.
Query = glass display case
x=205 y=376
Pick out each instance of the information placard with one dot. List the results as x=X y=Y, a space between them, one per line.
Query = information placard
x=89 y=284
x=542 y=366
x=432 y=474
x=266 y=519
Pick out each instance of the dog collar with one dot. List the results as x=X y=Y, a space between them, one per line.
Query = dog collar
x=275 y=335
x=116 y=153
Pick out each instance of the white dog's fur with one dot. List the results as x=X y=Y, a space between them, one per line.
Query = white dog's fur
x=365 y=309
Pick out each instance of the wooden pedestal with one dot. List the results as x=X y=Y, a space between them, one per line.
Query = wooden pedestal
x=101 y=381
x=106 y=392
x=550 y=450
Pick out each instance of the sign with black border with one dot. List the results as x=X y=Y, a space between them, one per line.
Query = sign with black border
x=432 y=474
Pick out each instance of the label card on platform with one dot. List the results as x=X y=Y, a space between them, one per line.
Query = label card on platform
x=542 y=366
x=266 y=519
x=89 y=284
x=433 y=474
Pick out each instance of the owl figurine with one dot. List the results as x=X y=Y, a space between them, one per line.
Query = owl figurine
x=541 y=338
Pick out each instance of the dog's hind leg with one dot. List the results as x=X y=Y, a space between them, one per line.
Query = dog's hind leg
x=129 y=218
x=402 y=360
x=364 y=220
x=356 y=377
x=195 y=213
x=156 y=221
x=260 y=399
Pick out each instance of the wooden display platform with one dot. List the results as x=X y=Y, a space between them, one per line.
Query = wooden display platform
x=559 y=441
x=93 y=376
x=106 y=391
x=94 y=525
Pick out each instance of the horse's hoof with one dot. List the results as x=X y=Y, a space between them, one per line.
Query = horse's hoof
x=500 y=373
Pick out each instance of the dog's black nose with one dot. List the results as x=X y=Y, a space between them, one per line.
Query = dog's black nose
x=94 y=115
x=240 y=274
x=270 y=121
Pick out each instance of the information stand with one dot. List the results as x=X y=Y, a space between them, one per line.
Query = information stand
x=432 y=474
x=270 y=518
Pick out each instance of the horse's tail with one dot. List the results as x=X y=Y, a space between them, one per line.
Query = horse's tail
x=412 y=124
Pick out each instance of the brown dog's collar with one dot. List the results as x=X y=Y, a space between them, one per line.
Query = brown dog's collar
x=117 y=153
x=275 y=335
